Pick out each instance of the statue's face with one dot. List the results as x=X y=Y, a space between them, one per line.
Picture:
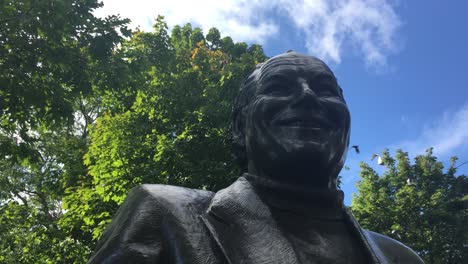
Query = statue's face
x=298 y=121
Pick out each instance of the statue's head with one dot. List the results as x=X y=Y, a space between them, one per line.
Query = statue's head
x=291 y=122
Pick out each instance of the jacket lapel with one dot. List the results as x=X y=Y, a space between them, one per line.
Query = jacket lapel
x=244 y=228
x=371 y=248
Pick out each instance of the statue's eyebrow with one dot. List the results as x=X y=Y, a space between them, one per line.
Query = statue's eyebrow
x=323 y=75
x=276 y=77
x=283 y=75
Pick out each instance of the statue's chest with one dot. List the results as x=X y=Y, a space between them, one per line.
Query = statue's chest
x=320 y=240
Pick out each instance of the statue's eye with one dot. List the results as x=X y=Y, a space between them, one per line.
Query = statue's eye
x=277 y=89
x=325 y=92
x=325 y=87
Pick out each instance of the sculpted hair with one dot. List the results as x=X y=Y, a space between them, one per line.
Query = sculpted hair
x=246 y=93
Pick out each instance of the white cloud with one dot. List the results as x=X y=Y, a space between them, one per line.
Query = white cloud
x=239 y=19
x=447 y=135
x=369 y=26
x=329 y=26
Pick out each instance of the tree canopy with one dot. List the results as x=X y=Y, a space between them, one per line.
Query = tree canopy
x=419 y=204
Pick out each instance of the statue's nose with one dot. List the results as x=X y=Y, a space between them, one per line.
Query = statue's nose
x=306 y=96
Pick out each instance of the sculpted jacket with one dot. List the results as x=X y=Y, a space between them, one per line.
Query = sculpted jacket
x=168 y=224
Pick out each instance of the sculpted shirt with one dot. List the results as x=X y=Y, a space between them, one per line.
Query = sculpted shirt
x=314 y=224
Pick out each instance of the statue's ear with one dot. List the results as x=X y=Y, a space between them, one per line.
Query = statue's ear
x=238 y=128
x=238 y=139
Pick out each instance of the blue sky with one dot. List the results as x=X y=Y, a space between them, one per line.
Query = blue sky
x=403 y=65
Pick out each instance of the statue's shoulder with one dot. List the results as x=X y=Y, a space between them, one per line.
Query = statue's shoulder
x=392 y=250
x=169 y=196
x=135 y=234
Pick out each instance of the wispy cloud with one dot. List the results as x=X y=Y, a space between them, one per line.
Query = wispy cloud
x=330 y=27
x=369 y=26
x=448 y=134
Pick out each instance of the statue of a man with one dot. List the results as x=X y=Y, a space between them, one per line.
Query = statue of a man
x=290 y=131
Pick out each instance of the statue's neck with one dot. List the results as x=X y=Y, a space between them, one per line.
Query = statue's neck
x=301 y=197
x=298 y=177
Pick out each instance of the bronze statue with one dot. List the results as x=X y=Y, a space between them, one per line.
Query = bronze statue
x=290 y=132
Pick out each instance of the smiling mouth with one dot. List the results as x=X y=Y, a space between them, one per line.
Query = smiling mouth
x=309 y=123
x=302 y=124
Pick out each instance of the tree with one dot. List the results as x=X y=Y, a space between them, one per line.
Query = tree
x=172 y=126
x=418 y=204
x=49 y=54
x=54 y=56
x=214 y=38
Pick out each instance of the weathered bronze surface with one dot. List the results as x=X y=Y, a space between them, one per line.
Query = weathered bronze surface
x=290 y=132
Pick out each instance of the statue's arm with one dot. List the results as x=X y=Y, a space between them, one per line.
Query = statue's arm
x=134 y=235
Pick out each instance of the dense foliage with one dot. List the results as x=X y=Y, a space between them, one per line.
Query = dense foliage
x=418 y=204
x=89 y=109
x=170 y=125
x=50 y=54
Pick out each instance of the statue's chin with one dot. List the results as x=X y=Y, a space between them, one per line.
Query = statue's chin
x=303 y=158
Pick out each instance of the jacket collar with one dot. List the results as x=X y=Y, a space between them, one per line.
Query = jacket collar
x=245 y=231
x=244 y=228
